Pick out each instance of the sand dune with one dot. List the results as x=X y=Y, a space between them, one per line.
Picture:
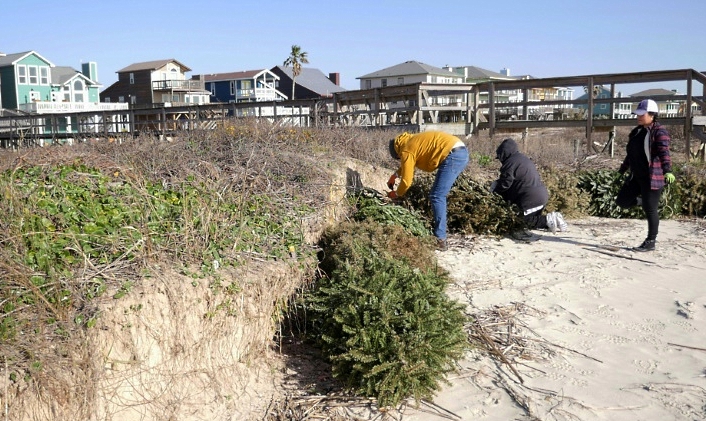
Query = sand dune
x=582 y=328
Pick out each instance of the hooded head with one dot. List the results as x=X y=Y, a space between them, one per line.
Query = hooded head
x=396 y=144
x=393 y=152
x=506 y=148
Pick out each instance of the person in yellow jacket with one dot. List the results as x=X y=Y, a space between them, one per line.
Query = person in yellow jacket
x=429 y=151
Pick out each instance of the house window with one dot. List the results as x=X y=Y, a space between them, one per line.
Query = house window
x=33 y=75
x=121 y=99
x=368 y=84
x=400 y=81
x=232 y=87
x=132 y=78
x=383 y=82
x=79 y=89
x=67 y=93
x=21 y=75
x=246 y=88
x=106 y=99
x=44 y=75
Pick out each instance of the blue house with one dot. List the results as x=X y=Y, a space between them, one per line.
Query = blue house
x=245 y=86
x=621 y=109
x=24 y=78
x=32 y=84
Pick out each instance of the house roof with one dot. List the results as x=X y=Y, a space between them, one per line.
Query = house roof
x=246 y=74
x=313 y=79
x=11 y=59
x=152 y=65
x=654 y=92
x=60 y=75
x=409 y=68
x=475 y=72
x=480 y=74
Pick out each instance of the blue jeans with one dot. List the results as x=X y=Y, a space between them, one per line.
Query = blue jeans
x=446 y=175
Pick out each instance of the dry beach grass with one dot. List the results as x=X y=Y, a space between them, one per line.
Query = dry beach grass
x=549 y=311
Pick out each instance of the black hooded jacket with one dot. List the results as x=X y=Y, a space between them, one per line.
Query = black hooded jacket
x=519 y=180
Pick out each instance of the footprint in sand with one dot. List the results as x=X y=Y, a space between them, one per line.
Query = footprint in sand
x=685 y=325
x=620 y=340
x=647 y=367
x=577 y=331
x=578 y=382
x=604 y=311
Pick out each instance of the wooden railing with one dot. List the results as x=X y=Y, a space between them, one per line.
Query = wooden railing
x=43 y=107
x=461 y=109
x=484 y=108
x=179 y=85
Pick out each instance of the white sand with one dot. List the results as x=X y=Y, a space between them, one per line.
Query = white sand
x=605 y=333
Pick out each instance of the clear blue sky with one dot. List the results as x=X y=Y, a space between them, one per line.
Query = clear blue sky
x=541 y=38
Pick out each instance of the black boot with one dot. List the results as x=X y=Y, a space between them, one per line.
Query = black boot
x=647 y=245
x=442 y=244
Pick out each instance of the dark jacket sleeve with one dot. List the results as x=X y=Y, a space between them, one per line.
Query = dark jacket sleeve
x=520 y=183
x=506 y=178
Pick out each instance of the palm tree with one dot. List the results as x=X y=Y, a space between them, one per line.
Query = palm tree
x=296 y=58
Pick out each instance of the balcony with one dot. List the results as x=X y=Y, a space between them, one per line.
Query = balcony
x=48 y=107
x=178 y=85
x=258 y=95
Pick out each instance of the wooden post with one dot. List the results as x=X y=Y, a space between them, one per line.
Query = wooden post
x=473 y=111
x=335 y=108
x=132 y=124
x=610 y=145
x=687 y=113
x=589 y=117
x=491 y=111
x=420 y=113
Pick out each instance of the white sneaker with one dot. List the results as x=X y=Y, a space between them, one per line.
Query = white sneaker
x=551 y=222
x=561 y=224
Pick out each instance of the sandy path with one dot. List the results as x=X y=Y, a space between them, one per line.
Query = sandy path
x=597 y=334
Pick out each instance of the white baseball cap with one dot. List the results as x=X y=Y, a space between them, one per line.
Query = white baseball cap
x=646 y=106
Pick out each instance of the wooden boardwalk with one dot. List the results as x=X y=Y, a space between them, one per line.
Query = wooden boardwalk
x=461 y=109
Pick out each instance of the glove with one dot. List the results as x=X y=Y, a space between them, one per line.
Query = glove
x=669 y=178
x=392 y=195
x=391 y=181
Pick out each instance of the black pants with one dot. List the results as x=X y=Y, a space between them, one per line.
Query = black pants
x=627 y=197
x=536 y=220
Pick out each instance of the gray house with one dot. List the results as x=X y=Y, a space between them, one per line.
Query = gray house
x=406 y=73
x=309 y=84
